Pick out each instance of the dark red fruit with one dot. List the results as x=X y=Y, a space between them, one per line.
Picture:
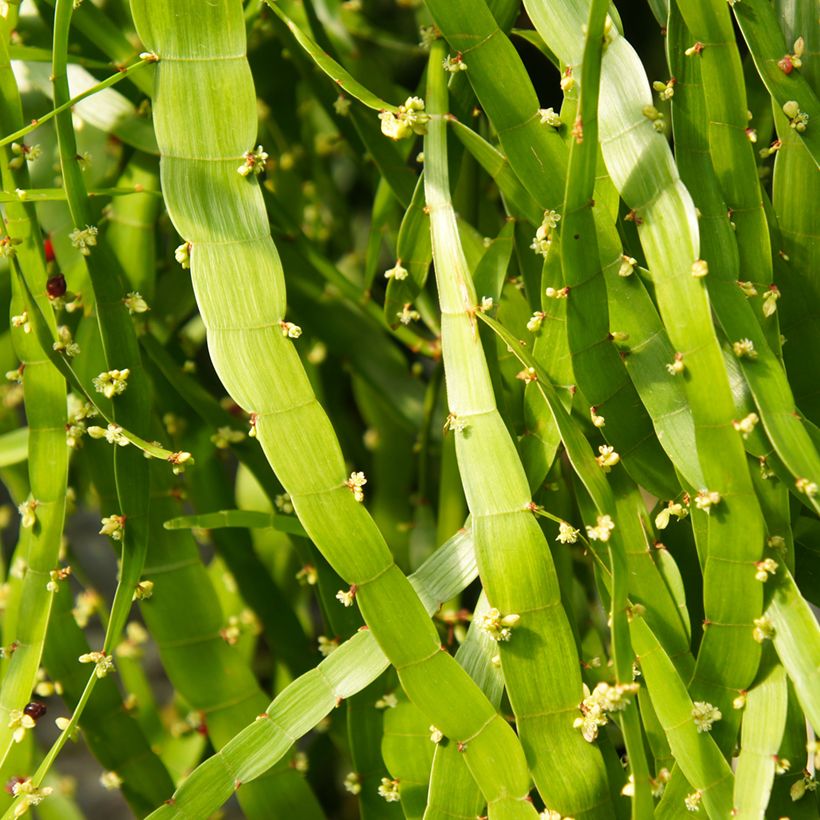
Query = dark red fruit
x=9 y=787
x=35 y=710
x=48 y=249
x=56 y=286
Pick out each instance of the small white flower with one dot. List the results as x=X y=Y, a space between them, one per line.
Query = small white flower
x=700 y=268
x=183 y=255
x=112 y=382
x=770 y=301
x=355 y=483
x=327 y=645
x=83 y=239
x=676 y=367
x=763 y=630
x=807 y=487
x=549 y=117
x=114 y=526
x=225 y=436
x=110 y=780
x=103 y=663
x=744 y=349
x=409 y=119
x=499 y=627
x=290 y=330
x=607 y=457
x=397 y=272
x=254 y=162
x=353 y=783
x=672 y=508
x=602 y=529
x=764 y=569
x=704 y=715
x=706 y=499
x=346 y=597
x=408 y=315
x=341 y=105
x=436 y=735
x=535 y=322
x=387 y=701
x=454 y=64
x=627 y=267
x=567 y=534
x=389 y=790
x=692 y=801
x=746 y=425
x=135 y=302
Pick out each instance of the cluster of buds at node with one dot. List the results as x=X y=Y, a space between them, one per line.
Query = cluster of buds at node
x=28 y=513
x=389 y=790
x=763 y=629
x=112 y=382
x=567 y=534
x=65 y=343
x=694 y=49
x=706 y=499
x=700 y=268
x=746 y=425
x=346 y=597
x=485 y=306
x=556 y=293
x=245 y=622
x=499 y=627
x=254 y=162
x=27 y=794
x=552 y=814
x=654 y=116
x=747 y=288
x=290 y=330
x=85 y=604
x=21 y=720
x=765 y=568
x=799 y=120
x=665 y=90
x=143 y=591
x=21 y=322
x=672 y=508
x=355 y=483
x=597 y=706
x=283 y=503
x=549 y=117
x=676 y=366
x=541 y=242
x=307 y=576
x=744 y=349
x=327 y=645
x=183 y=255
x=397 y=272
x=409 y=119
x=527 y=375
x=788 y=62
x=770 y=298
x=607 y=458
x=225 y=436
x=112 y=434
x=807 y=487
x=567 y=80
x=135 y=302
x=536 y=320
x=407 y=315
x=103 y=662
x=455 y=424
x=602 y=529
x=113 y=526
x=7 y=249
x=353 y=783
x=740 y=701
x=704 y=715
x=55 y=576
x=454 y=64
x=83 y=239
x=436 y=735
x=627 y=266
x=23 y=153
x=597 y=421
x=387 y=701
x=692 y=801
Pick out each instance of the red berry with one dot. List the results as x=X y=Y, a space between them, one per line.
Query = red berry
x=48 y=249
x=35 y=710
x=56 y=286
x=785 y=64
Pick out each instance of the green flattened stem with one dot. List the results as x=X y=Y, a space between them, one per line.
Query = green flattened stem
x=642 y=168
x=740 y=302
x=206 y=159
x=45 y=404
x=311 y=697
x=533 y=146
x=539 y=659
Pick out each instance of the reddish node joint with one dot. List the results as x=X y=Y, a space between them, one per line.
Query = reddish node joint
x=462 y=747
x=632 y=216
x=236 y=784
x=262 y=715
